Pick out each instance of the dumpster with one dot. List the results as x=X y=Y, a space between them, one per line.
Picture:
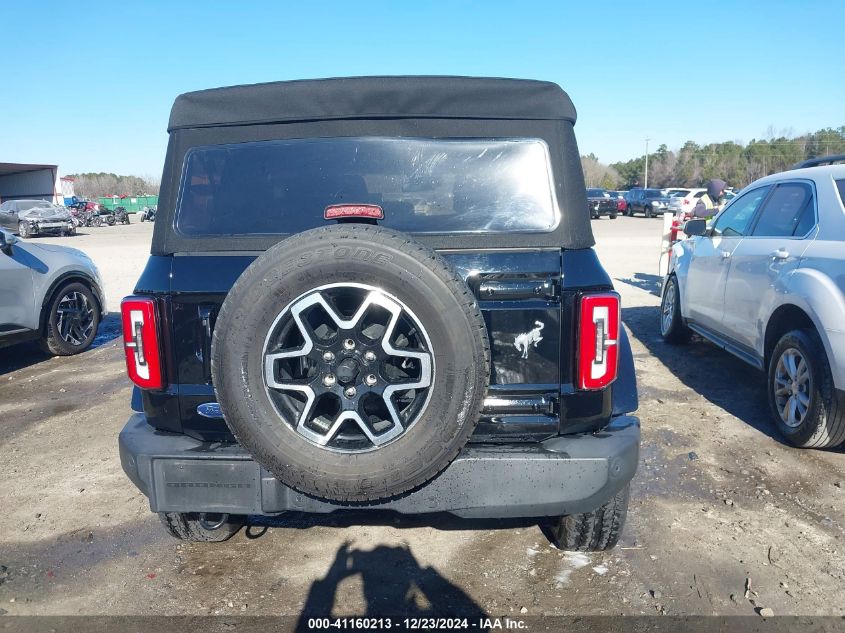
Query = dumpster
x=132 y=204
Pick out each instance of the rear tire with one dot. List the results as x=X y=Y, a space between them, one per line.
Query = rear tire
x=201 y=527
x=594 y=531
x=818 y=419
x=612 y=216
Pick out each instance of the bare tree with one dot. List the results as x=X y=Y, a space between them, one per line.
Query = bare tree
x=97 y=185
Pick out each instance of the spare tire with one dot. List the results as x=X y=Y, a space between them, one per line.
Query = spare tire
x=351 y=362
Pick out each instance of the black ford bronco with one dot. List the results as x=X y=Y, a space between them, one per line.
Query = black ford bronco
x=378 y=293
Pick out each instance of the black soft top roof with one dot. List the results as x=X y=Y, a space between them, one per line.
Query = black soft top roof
x=372 y=98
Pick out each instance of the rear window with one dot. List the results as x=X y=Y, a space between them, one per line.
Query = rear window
x=840 y=184
x=423 y=185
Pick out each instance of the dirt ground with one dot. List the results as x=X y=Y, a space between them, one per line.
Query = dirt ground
x=724 y=517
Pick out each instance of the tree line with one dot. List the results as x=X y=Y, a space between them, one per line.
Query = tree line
x=97 y=185
x=693 y=165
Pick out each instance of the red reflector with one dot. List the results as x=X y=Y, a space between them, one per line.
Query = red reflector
x=340 y=211
x=140 y=342
x=598 y=340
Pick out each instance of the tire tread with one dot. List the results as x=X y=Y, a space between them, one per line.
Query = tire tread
x=594 y=531
x=186 y=527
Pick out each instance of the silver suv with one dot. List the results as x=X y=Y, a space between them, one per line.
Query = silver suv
x=766 y=282
x=47 y=292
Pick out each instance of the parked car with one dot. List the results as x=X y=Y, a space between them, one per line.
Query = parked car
x=29 y=218
x=406 y=339
x=650 y=202
x=766 y=282
x=48 y=293
x=621 y=204
x=672 y=193
x=686 y=203
x=600 y=202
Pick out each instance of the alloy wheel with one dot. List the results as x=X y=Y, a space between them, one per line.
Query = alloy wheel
x=668 y=308
x=349 y=365
x=74 y=318
x=793 y=387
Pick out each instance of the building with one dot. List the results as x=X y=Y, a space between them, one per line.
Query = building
x=26 y=181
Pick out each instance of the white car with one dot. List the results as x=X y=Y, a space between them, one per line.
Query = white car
x=687 y=202
x=766 y=282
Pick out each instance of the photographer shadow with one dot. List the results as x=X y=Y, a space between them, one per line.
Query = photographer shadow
x=393 y=584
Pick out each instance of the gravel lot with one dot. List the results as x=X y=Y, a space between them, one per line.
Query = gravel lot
x=725 y=518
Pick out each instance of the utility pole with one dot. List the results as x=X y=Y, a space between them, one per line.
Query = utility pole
x=645 y=186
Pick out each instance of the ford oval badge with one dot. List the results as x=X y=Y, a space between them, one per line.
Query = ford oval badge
x=210 y=410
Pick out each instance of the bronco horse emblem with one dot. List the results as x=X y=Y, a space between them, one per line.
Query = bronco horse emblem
x=523 y=341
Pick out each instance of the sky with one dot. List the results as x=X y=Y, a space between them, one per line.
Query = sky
x=89 y=85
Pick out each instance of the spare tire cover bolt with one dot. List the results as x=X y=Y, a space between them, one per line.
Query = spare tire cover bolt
x=369 y=357
x=370 y=380
x=350 y=392
x=349 y=344
x=328 y=357
x=329 y=380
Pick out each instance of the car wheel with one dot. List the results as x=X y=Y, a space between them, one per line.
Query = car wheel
x=23 y=229
x=672 y=326
x=612 y=216
x=351 y=362
x=648 y=212
x=806 y=408
x=202 y=527
x=593 y=531
x=73 y=317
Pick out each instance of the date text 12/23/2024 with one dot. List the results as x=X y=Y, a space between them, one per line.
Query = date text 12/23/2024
x=417 y=623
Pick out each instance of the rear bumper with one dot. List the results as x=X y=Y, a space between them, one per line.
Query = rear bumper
x=563 y=475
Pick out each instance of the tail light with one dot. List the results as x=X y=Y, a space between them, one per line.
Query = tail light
x=685 y=201
x=140 y=342
x=598 y=340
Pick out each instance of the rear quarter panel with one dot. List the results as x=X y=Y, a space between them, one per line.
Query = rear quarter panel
x=818 y=287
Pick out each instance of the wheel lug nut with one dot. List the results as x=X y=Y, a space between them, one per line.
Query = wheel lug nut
x=329 y=380
x=349 y=392
x=370 y=380
x=349 y=344
x=369 y=357
x=328 y=357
